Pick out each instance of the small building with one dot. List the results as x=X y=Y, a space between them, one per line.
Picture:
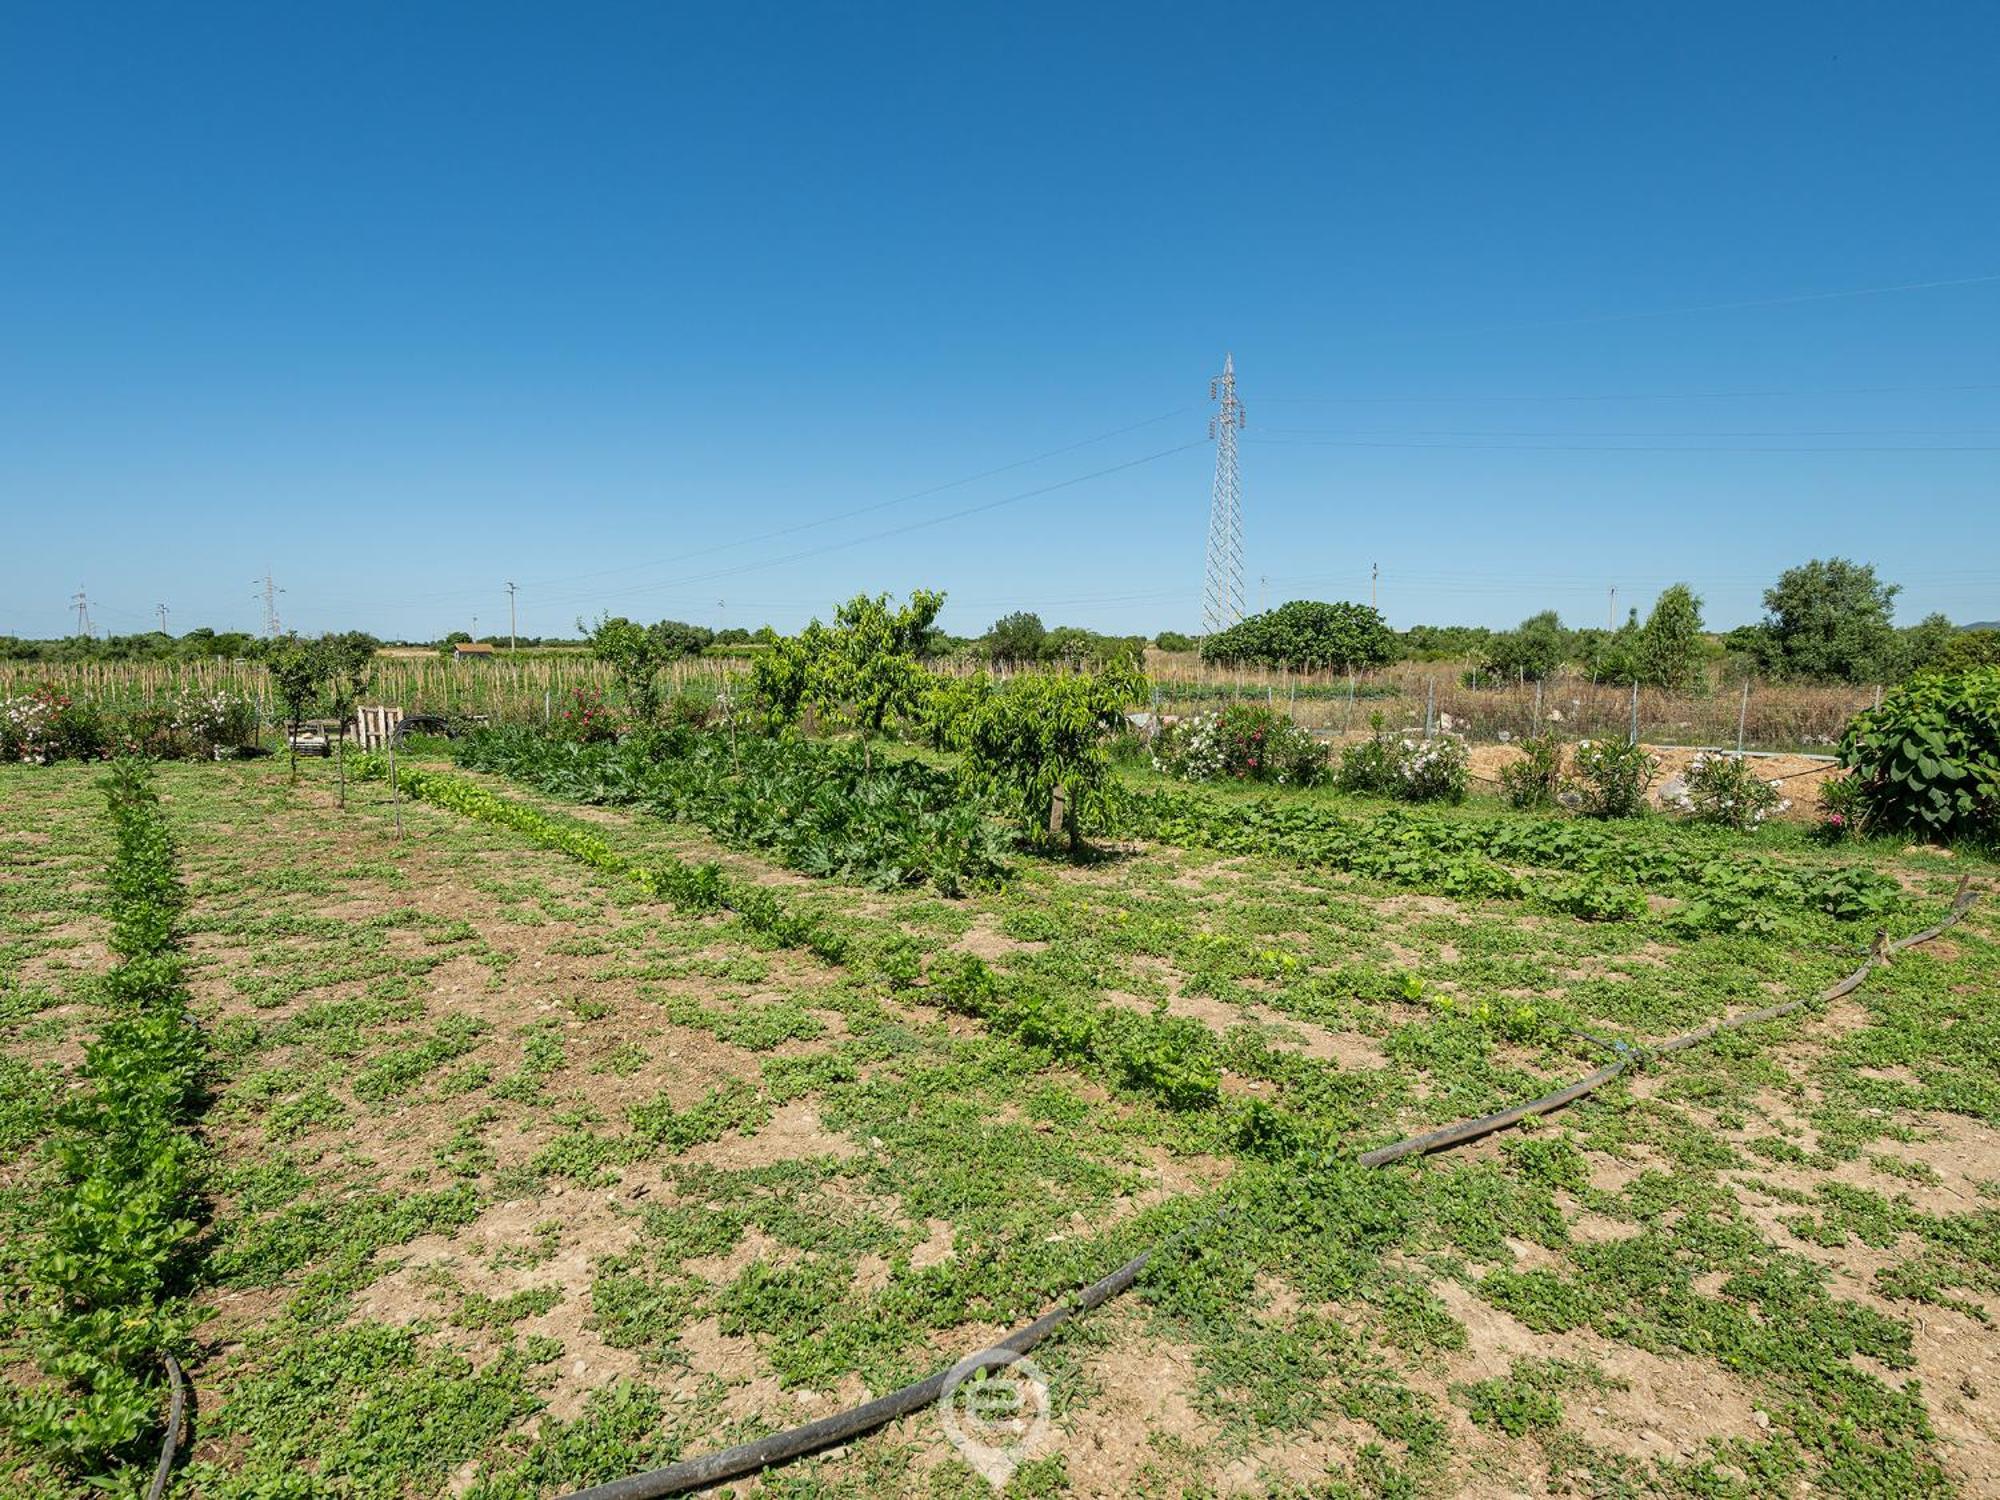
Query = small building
x=471 y=651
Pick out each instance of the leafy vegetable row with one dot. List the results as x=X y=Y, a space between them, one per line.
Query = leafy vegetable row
x=109 y=1272
x=1722 y=887
x=1170 y=1060
x=819 y=808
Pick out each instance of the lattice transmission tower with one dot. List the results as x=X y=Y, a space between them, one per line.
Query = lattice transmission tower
x=1222 y=586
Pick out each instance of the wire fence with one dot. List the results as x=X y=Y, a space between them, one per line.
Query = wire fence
x=1763 y=715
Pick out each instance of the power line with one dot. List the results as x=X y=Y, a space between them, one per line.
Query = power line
x=956 y=515
x=1613 y=448
x=1723 y=395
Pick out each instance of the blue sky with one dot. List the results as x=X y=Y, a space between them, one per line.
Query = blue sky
x=405 y=301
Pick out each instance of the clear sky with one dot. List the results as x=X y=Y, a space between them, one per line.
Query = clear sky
x=1527 y=301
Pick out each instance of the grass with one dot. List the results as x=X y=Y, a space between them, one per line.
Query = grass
x=522 y=1179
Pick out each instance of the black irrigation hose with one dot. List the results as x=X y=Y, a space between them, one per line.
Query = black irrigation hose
x=795 y=1442
x=176 y=1412
x=1472 y=1130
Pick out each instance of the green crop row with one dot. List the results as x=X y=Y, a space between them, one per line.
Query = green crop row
x=826 y=809
x=120 y=1213
x=1167 y=1060
x=1596 y=872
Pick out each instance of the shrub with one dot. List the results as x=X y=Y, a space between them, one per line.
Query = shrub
x=1536 y=779
x=215 y=720
x=1609 y=779
x=1843 y=808
x=1433 y=770
x=1723 y=789
x=1928 y=760
x=1244 y=743
x=48 y=725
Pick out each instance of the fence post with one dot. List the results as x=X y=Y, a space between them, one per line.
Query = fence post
x=1635 y=715
x=1742 y=715
x=395 y=800
x=1430 y=705
x=1536 y=726
x=1347 y=719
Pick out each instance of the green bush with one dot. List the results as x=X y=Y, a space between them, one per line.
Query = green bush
x=1036 y=733
x=1535 y=780
x=1609 y=779
x=1928 y=760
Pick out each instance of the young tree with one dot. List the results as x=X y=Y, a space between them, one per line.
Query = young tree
x=1831 y=619
x=296 y=668
x=634 y=654
x=1670 y=645
x=865 y=668
x=1026 y=738
x=347 y=664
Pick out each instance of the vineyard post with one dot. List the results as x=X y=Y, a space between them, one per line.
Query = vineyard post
x=548 y=707
x=1633 y=739
x=1742 y=715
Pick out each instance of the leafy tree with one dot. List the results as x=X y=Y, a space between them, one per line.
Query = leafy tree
x=1016 y=637
x=1671 y=646
x=1024 y=738
x=297 y=668
x=1925 y=646
x=1080 y=647
x=1173 y=640
x=1446 y=642
x=674 y=639
x=453 y=638
x=1532 y=650
x=1830 y=619
x=1972 y=648
x=1306 y=634
x=865 y=668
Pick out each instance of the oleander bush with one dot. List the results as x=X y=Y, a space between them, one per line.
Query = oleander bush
x=1726 y=790
x=1608 y=779
x=1242 y=742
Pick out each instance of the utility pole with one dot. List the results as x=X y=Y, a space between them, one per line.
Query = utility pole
x=1374 y=589
x=271 y=592
x=1222 y=587
x=163 y=617
x=1611 y=608
x=1263 y=592
x=82 y=606
x=511 y=648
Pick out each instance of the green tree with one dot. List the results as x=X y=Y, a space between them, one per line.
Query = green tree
x=1670 y=647
x=297 y=668
x=864 y=669
x=453 y=638
x=674 y=639
x=1532 y=650
x=1830 y=619
x=1026 y=737
x=1306 y=634
x=347 y=666
x=1173 y=640
x=1016 y=637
